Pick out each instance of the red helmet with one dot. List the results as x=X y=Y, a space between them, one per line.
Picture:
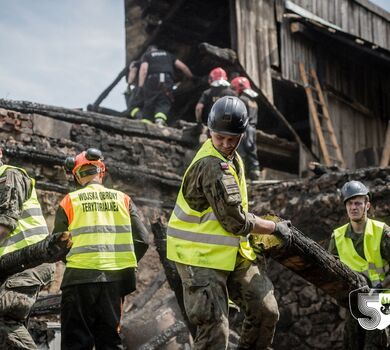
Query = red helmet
x=91 y=156
x=240 y=84
x=217 y=74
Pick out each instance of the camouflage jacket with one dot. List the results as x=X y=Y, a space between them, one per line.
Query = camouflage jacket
x=15 y=189
x=206 y=185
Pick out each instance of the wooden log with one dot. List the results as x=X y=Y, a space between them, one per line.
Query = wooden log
x=101 y=121
x=167 y=179
x=143 y=298
x=46 y=305
x=163 y=338
x=309 y=260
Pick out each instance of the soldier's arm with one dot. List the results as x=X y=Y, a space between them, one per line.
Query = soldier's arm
x=183 y=67
x=15 y=189
x=62 y=219
x=332 y=249
x=198 y=112
x=133 y=69
x=139 y=231
x=223 y=195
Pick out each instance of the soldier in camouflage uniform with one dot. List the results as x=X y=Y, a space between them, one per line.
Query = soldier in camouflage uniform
x=20 y=218
x=207 y=238
x=356 y=200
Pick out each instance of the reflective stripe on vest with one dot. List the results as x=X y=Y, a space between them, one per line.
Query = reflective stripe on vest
x=101 y=230
x=31 y=227
x=374 y=268
x=197 y=238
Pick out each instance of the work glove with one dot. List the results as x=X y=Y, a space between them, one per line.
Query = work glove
x=59 y=245
x=283 y=232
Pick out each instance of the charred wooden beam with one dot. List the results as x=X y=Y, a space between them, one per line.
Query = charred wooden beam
x=164 y=337
x=143 y=298
x=105 y=93
x=109 y=123
x=154 y=176
x=309 y=260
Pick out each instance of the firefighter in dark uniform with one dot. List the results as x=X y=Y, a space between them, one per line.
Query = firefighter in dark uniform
x=207 y=238
x=248 y=149
x=108 y=240
x=21 y=224
x=219 y=87
x=363 y=244
x=156 y=79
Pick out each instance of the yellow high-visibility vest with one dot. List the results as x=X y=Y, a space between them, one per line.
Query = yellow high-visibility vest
x=197 y=238
x=373 y=267
x=31 y=227
x=100 y=224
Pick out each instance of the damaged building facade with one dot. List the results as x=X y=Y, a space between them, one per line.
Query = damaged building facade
x=346 y=42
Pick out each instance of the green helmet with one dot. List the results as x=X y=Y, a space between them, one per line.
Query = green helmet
x=353 y=189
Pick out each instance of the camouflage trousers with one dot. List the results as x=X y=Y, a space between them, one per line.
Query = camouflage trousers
x=206 y=296
x=17 y=295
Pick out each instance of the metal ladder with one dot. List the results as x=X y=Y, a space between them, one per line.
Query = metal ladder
x=329 y=146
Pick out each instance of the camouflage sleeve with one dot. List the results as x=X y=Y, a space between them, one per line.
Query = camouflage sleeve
x=332 y=246
x=222 y=193
x=15 y=189
x=385 y=244
x=60 y=221
x=140 y=233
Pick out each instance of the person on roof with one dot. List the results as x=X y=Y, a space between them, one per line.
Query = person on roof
x=219 y=87
x=156 y=80
x=248 y=147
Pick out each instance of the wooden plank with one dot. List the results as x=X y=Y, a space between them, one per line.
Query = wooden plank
x=328 y=120
x=386 y=148
x=344 y=16
x=313 y=113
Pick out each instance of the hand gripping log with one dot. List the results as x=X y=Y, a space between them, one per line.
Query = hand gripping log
x=53 y=248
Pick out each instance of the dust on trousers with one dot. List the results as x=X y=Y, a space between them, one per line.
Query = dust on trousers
x=206 y=295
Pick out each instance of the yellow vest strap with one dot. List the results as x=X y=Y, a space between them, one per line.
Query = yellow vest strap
x=101 y=229
x=35 y=231
x=204 y=237
x=31 y=212
x=181 y=215
x=101 y=248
